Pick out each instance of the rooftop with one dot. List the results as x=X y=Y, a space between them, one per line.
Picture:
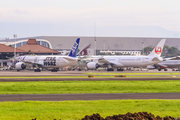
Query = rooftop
x=34 y=47
x=5 y=48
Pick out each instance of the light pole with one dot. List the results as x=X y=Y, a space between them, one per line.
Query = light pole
x=15 y=36
x=135 y=47
x=143 y=45
x=95 y=38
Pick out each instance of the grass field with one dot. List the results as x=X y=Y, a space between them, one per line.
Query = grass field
x=62 y=87
x=41 y=110
x=27 y=110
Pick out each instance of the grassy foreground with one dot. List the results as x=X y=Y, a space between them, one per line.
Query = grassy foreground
x=62 y=87
x=41 y=110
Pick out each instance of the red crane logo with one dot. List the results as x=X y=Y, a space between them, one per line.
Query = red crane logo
x=158 y=50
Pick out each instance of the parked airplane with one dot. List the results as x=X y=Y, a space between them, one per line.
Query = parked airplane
x=120 y=62
x=166 y=64
x=54 y=62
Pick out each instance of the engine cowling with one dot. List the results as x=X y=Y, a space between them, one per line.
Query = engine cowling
x=20 y=66
x=92 y=65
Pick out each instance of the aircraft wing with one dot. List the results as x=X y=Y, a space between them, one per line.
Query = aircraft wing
x=156 y=66
x=32 y=63
x=102 y=60
x=163 y=66
x=105 y=62
x=27 y=62
x=70 y=59
x=174 y=58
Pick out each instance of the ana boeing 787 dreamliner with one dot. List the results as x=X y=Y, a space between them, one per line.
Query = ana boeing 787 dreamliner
x=120 y=62
x=52 y=61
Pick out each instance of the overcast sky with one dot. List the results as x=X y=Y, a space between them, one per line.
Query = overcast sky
x=86 y=14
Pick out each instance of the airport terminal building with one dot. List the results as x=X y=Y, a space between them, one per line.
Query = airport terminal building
x=63 y=44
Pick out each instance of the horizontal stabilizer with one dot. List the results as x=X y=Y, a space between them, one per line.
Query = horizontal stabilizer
x=156 y=59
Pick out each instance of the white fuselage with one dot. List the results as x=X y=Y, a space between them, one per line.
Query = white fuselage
x=127 y=61
x=49 y=61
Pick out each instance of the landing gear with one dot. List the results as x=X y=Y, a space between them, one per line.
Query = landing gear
x=37 y=70
x=120 y=69
x=165 y=69
x=110 y=69
x=54 y=70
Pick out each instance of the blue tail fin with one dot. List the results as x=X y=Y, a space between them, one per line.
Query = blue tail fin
x=74 y=49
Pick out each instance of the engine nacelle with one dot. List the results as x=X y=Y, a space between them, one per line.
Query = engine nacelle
x=20 y=66
x=92 y=65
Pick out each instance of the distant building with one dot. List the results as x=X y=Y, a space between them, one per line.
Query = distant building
x=32 y=47
x=135 y=53
x=8 y=52
x=63 y=43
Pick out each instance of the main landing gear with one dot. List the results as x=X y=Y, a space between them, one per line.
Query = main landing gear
x=110 y=69
x=37 y=70
x=120 y=69
x=54 y=70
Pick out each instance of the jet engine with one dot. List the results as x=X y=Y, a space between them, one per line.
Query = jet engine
x=92 y=65
x=20 y=66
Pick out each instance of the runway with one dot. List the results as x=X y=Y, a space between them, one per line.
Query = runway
x=65 y=97
x=85 y=79
x=43 y=74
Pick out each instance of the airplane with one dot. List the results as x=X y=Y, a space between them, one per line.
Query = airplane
x=54 y=61
x=120 y=62
x=167 y=63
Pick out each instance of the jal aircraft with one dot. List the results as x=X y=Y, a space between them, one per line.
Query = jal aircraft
x=166 y=64
x=120 y=62
x=54 y=61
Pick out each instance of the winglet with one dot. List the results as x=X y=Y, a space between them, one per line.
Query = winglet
x=74 y=49
x=158 y=49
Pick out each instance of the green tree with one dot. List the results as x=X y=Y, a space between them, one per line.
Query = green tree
x=165 y=50
x=172 y=52
x=147 y=50
x=29 y=51
x=118 y=53
x=101 y=53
